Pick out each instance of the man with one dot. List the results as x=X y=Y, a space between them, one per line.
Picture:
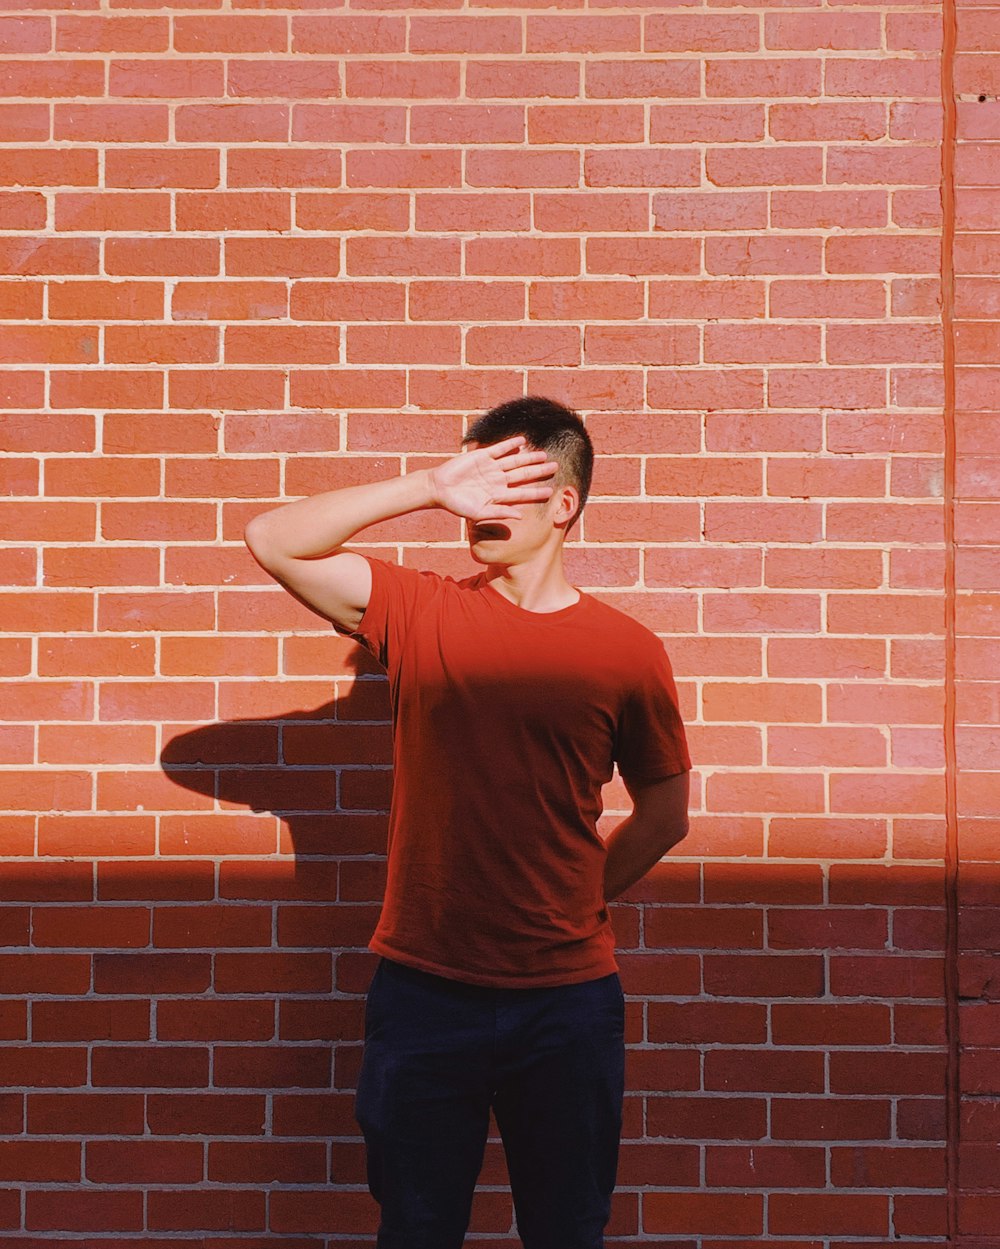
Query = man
x=513 y=695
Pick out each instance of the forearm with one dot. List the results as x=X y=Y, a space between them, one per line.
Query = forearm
x=318 y=525
x=634 y=848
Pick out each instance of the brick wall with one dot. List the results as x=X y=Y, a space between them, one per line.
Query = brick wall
x=260 y=250
x=973 y=372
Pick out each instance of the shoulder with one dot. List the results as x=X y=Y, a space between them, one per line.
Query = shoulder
x=419 y=581
x=627 y=630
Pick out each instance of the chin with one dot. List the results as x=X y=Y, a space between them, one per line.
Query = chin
x=492 y=552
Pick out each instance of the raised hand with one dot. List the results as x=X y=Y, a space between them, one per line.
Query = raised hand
x=488 y=483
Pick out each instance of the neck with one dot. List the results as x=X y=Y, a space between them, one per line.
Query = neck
x=539 y=585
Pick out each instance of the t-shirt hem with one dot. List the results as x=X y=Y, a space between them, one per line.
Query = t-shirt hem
x=594 y=971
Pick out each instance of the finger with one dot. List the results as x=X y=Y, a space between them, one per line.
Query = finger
x=530 y=494
x=501 y=448
x=524 y=458
x=533 y=472
x=499 y=513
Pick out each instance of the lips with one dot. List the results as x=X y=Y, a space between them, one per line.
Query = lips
x=479 y=532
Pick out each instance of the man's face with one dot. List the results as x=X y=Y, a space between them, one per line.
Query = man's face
x=514 y=540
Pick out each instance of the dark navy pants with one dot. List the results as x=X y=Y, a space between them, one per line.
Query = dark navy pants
x=439 y=1053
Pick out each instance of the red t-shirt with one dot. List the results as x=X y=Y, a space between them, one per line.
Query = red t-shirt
x=506 y=723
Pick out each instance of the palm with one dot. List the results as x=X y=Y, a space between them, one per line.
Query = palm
x=489 y=483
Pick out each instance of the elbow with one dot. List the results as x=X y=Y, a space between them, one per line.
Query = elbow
x=251 y=532
x=254 y=535
x=676 y=835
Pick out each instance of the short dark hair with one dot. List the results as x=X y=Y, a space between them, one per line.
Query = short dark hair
x=548 y=426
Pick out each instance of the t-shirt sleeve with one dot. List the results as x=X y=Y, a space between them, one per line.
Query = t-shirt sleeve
x=398 y=596
x=650 y=742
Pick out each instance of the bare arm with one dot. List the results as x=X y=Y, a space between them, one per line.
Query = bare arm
x=658 y=821
x=299 y=544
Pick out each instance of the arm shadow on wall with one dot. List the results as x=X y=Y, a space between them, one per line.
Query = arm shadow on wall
x=325 y=773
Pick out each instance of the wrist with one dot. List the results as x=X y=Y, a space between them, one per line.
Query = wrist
x=425 y=488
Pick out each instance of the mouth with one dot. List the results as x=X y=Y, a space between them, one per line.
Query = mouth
x=487 y=533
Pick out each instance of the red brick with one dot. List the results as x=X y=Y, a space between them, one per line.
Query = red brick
x=901 y=885
x=103 y=928
x=716 y=1213
x=101 y=477
x=21 y=301
x=583 y=33
x=283 y=79
x=61 y=257
x=169 y=79
x=180 y=1020
x=645 y=1163
x=112 y=211
x=53 y=1209
x=293 y=1162
x=797 y=567
x=223 y=1210
x=231 y=123
x=25 y=34
x=812 y=31
x=231 y=33
x=203 y=1112
x=707 y=1117
x=234 y=211
x=54 y=611
x=764 y=1166
x=821 y=1213
x=111 y=123
x=175 y=1162
x=106 y=33
x=115 y=301
x=156 y=257
x=281 y=257
x=94 y=656
x=883 y=1073
x=463 y=124
x=345 y=210
x=835 y=1024
x=53 y=1067
x=767 y=976
x=25 y=123
x=229 y=301
x=350 y=34
x=48 y=79
x=918 y=1214
x=310 y=1020
x=230 y=388
x=21 y=210
x=278 y=1067
x=20 y=476
x=347 y=387
x=799 y=1071
x=830 y=1118
x=678 y=1023
x=641 y=345
x=141 y=167
x=93 y=1114
x=313 y=1114
x=161 y=344
x=885 y=76
x=519 y=170
x=824 y=837
x=306 y=1211
x=388 y=80
x=275 y=167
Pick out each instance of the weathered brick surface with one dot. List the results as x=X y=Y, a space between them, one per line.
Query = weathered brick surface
x=252 y=251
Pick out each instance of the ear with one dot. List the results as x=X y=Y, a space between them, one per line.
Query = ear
x=568 y=501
